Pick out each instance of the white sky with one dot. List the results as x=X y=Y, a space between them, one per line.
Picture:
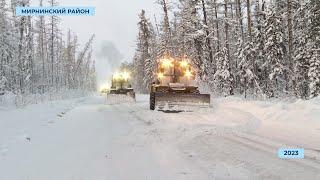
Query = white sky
x=115 y=21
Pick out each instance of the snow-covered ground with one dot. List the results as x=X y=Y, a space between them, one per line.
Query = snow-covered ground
x=87 y=138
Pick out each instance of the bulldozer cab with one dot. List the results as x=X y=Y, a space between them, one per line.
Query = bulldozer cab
x=121 y=90
x=173 y=71
x=116 y=84
x=120 y=81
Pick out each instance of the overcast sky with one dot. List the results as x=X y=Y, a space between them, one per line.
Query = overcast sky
x=115 y=27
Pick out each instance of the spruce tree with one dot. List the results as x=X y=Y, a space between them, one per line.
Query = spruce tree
x=313 y=46
x=300 y=53
x=275 y=53
x=223 y=78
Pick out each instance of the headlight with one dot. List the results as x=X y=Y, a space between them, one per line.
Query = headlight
x=104 y=87
x=160 y=75
x=184 y=63
x=116 y=76
x=188 y=74
x=126 y=75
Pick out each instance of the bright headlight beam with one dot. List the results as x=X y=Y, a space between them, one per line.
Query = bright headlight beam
x=160 y=75
x=117 y=76
x=184 y=63
x=188 y=74
x=104 y=87
x=125 y=75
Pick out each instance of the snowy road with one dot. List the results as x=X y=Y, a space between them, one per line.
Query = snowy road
x=88 y=139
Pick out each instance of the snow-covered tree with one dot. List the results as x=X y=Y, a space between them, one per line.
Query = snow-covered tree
x=313 y=47
x=41 y=52
x=314 y=73
x=223 y=78
x=34 y=58
x=52 y=43
x=260 y=47
x=145 y=58
x=259 y=39
x=275 y=52
x=300 y=53
x=194 y=35
x=3 y=36
x=3 y=82
x=247 y=69
x=165 y=44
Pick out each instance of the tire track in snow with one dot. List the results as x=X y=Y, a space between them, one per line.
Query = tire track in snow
x=162 y=141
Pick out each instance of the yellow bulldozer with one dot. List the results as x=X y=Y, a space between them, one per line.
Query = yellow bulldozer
x=121 y=89
x=175 y=87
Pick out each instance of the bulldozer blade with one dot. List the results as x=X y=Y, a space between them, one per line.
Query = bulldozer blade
x=120 y=98
x=181 y=101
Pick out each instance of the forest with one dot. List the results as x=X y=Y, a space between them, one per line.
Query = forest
x=253 y=48
x=38 y=61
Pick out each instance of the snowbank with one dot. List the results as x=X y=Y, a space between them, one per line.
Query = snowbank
x=10 y=100
x=291 y=121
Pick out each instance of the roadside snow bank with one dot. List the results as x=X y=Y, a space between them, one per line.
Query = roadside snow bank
x=291 y=121
x=276 y=110
x=10 y=100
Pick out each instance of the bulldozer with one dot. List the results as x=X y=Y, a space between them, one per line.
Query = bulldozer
x=121 y=90
x=175 y=88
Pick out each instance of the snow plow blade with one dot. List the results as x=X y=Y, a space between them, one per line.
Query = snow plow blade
x=120 y=98
x=181 y=101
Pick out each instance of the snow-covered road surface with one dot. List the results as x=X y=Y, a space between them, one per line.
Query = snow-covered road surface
x=85 y=138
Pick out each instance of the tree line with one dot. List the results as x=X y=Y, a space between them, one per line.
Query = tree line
x=37 y=58
x=255 y=48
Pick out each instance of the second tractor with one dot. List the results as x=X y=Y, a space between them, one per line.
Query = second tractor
x=121 y=89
